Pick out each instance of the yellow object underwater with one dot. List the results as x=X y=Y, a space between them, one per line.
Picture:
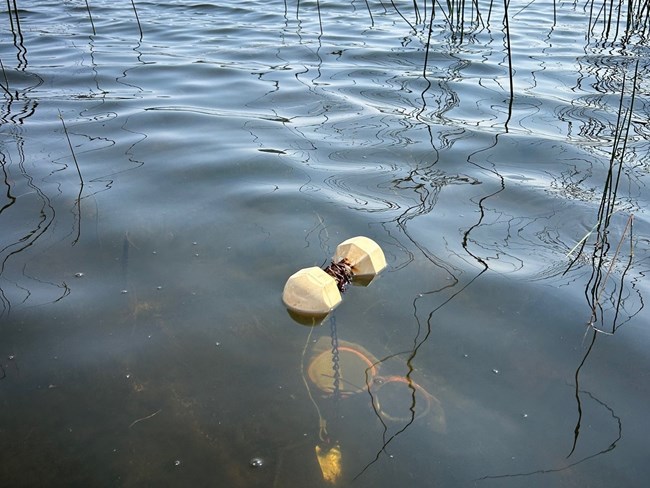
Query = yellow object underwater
x=330 y=463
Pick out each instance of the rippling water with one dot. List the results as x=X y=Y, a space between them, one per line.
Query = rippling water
x=163 y=174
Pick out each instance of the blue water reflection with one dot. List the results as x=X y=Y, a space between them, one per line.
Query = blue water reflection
x=223 y=147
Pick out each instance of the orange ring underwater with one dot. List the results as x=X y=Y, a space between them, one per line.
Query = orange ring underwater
x=380 y=382
x=371 y=370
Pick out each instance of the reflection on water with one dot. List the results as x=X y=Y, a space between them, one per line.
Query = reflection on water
x=166 y=167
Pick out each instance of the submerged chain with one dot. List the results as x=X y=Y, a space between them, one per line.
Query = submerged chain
x=335 y=359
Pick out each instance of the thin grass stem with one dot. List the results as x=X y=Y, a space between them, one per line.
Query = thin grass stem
x=81 y=180
x=90 y=16
x=137 y=18
x=5 y=87
x=506 y=25
x=401 y=15
x=74 y=157
x=597 y=305
x=372 y=20
x=613 y=261
x=320 y=19
x=586 y=236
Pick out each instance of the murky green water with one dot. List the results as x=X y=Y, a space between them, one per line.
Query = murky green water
x=143 y=341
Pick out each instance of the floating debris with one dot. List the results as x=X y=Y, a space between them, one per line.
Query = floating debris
x=256 y=462
x=147 y=418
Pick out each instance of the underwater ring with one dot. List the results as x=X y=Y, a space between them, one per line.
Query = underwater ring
x=402 y=394
x=353 y=369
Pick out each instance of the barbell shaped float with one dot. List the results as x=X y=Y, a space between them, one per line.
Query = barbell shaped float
x=313 y=291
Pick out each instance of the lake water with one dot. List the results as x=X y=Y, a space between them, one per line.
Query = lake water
x=163 y=175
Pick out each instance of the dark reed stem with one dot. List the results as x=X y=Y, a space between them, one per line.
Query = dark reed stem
x=20 y=33
x=11 y=19
x=137 y=18
x=81 y=180
x=639 y=17
x=590 y=29
x=320 y=20
x=372 y=20
x=596 y=305
x=506 y=25
x=427 y=47
x=426 y=65
x=629 y=21
x=417 y=12
x=451 y=15
x=618 y=18
x=401 y=15
x=14 y=21
x=458 y=15
x=636 y=22
x=5 y=87
x=576 y=430
x=461 y=18
x=598 y=280
x=621 y=287
x=90 y=16
x=74 y=157
x=608 y=24
x=621 y=133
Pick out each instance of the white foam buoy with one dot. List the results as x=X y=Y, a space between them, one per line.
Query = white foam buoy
x=311 y=291
x=364 y=255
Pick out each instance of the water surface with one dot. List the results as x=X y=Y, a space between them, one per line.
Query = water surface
x=163 y=175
